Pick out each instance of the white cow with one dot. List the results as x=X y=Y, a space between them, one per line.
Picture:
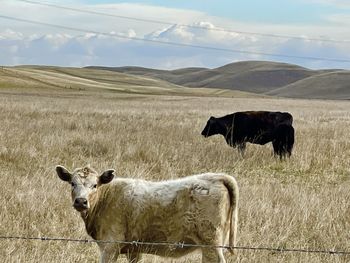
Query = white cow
x=198 y=209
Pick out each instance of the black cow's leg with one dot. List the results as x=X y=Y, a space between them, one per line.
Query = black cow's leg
x=277 y=149
x=280 y=149
x=283 y=141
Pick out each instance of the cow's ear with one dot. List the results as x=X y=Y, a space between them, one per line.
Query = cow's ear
x=106 y=176
x=63 y=173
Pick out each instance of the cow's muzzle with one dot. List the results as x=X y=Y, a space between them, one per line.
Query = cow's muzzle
x=81 y=204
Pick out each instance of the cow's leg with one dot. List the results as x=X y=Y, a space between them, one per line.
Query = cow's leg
x=213 y=255
x=108 y=253
x=134 y=257
x=277 y=148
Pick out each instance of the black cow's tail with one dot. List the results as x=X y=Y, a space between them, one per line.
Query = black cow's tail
x=283 y=141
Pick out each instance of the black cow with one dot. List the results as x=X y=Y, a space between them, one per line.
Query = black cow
x=258 y=127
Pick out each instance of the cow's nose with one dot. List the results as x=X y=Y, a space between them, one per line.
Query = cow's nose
x=80 y=203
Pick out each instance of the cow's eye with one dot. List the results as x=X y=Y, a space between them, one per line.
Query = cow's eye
x=94 y=186
x=72 y=184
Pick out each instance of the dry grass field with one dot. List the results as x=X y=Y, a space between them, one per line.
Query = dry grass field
x=298 y=203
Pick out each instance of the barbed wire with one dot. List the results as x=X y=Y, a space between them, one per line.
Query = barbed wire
x=179 y=245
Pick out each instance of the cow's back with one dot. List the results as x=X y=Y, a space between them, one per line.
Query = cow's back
x=278 y=118
x=181 y=198
x=250 y=123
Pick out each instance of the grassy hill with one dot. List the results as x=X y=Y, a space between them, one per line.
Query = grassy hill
x=261 y=77
x=76 y=79
x=329 y=85
x=241 y=79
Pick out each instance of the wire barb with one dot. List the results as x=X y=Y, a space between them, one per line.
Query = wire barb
x=180 y=245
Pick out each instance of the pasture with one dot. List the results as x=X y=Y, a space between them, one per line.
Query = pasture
x=298 y=203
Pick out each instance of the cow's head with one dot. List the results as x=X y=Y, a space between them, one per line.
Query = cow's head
x=211 y=128
x=85 y=182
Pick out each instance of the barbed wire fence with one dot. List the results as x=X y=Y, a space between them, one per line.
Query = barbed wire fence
x=180 y=245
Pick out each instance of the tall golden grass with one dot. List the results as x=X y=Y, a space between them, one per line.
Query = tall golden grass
x=302 y=202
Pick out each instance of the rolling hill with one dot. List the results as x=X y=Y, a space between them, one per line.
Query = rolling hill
x=57 y=79
x=261 y=77
x=240 y=79
x=329 y=85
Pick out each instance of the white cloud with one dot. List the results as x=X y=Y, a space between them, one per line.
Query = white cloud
x=32 y=44
x=130 y=33
x=200 y=33
x=92 y=49
x=172 y=33
x=56 y=40
x=11 y=35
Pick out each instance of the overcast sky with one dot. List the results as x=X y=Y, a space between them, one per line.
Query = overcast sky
x=225 y=23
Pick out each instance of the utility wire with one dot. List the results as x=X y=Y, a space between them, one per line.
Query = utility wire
x=174 y=43
x=182 y=25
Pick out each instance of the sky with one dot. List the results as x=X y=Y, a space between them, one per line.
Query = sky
x=202 y=33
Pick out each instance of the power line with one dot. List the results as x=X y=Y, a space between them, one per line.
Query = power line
x=179 y=245
x=174 y=43
x=182 y=25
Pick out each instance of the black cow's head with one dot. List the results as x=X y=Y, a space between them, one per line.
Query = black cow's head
x=211 y=128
